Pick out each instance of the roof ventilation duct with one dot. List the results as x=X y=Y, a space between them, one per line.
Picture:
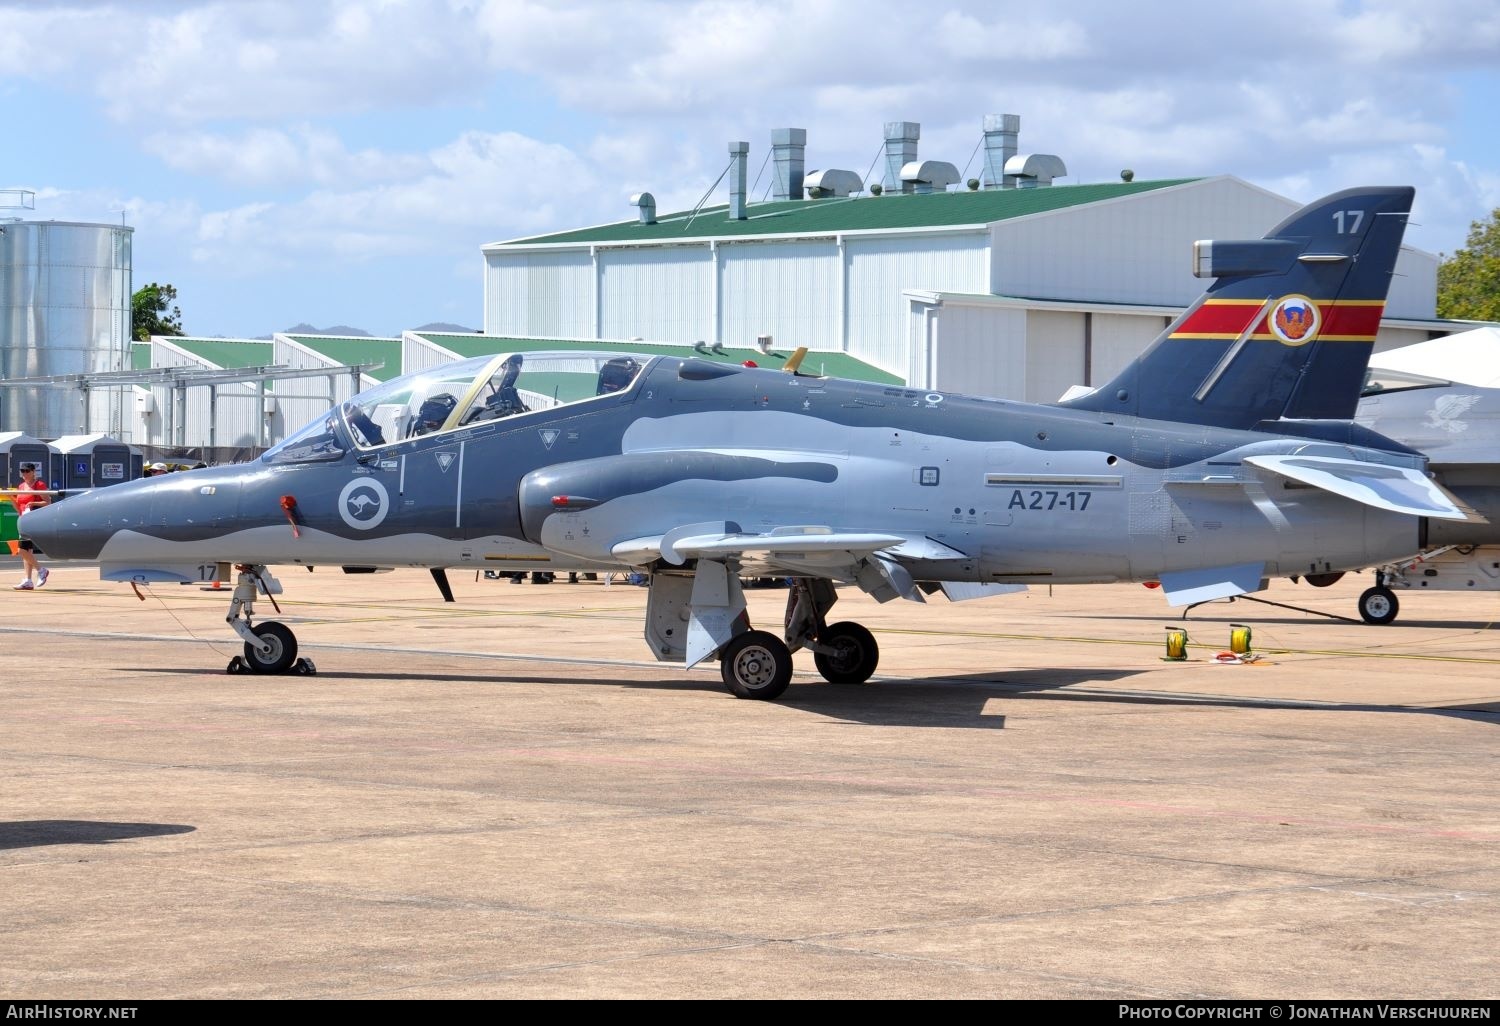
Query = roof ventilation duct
x=788 y=146
x=928 y=176
x=1032 y=170
x=832 y=182
x=900 y=149
x=738 y=154
x=1001 y=139
x=647 y=203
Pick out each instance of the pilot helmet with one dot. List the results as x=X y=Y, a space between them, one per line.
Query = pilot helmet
x=434 y=411
x=617 y=373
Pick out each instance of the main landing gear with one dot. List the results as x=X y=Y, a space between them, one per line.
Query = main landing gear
x=1378 y=605
x=694 y=617
x=270 y=647
x=757 y=664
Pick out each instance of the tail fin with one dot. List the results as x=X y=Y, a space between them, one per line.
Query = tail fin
x=1286 y=330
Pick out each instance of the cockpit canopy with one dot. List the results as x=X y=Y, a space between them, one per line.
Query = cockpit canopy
x=459 y=394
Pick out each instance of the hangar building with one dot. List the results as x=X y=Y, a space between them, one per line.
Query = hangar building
x=1007 y=286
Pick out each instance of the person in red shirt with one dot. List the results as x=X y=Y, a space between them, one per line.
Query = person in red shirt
x=23 y=502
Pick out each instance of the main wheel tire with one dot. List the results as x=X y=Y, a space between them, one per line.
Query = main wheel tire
x=1324 y=580
x=283 y=648
x=857 y=654
x=756 y=665
x=1378 y=605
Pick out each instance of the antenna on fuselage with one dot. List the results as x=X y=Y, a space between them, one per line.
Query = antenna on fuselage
x=795 y=360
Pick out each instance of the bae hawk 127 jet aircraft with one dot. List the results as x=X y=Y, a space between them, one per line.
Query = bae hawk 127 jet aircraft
x=1224 y=456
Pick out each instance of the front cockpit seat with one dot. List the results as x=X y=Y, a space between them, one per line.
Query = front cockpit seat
x=504 y=401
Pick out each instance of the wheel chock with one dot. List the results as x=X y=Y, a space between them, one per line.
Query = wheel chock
x=305 y=668
x=237 y=665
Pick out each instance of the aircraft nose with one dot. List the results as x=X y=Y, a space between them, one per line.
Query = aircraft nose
x=70 y=529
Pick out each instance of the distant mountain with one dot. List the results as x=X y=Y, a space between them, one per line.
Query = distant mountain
x=439 y=327
x=337 y=329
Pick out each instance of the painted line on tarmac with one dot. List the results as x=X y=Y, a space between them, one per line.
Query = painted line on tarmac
x=1164 y=697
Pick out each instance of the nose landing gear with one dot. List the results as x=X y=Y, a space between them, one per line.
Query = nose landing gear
x=270 y=647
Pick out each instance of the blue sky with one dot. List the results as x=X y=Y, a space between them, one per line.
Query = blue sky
x=342 y=162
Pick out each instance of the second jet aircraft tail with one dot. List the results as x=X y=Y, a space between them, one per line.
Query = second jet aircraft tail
x=1286 y=330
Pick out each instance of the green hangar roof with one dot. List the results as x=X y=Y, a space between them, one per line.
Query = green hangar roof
x=230 y=353
x=352 y=349
x=890 y=212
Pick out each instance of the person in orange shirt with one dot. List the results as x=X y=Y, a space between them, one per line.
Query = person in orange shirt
x=23 y=502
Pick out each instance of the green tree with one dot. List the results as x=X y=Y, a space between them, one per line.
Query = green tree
x=152 y=312
x=1469 y=280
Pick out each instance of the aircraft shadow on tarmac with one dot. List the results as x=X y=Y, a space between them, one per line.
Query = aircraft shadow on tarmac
x=1041 y=688
x=39 y=833
x=948 y=701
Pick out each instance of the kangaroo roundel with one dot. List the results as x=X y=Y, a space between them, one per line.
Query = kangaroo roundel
x=1294 y=320
x=364 y=503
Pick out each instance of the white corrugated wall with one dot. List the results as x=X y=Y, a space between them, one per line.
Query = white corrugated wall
x=300 y=400
x=662 y=293
x=1054 y=353
x=1135 y=249
x=1413 y=292
x=1117 y=340
x=977 y=350
x=789 y=290
x=879 y=268
x=419 y=354
x=539 y=293
x=238 y=412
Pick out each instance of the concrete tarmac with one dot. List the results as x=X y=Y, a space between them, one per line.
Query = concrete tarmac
x=506 y=798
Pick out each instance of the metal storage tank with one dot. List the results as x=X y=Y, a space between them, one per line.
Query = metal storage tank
x=64 y=309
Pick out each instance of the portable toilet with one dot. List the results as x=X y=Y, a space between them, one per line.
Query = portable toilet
x=17 y=448
x=92 y=461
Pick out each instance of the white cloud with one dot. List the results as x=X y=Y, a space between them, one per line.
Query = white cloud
x=275 y=157
x=1022 y=40
x=270 y=116
x=1452 y=31
x=471 y=185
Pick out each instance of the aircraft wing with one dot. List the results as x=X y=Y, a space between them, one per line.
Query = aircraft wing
x=1399 y=489
x=799 y=546
x=873 y=558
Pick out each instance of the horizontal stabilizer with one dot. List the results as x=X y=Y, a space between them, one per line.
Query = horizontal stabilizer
x=1184 y=587
x=1399 y=489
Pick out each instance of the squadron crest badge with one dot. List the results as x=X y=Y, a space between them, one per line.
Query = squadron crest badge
x=1294 y=320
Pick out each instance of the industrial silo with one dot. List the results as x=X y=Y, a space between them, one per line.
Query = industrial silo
x=64 y=309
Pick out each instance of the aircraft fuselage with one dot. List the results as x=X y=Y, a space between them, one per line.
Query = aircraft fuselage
x=1009 y=492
